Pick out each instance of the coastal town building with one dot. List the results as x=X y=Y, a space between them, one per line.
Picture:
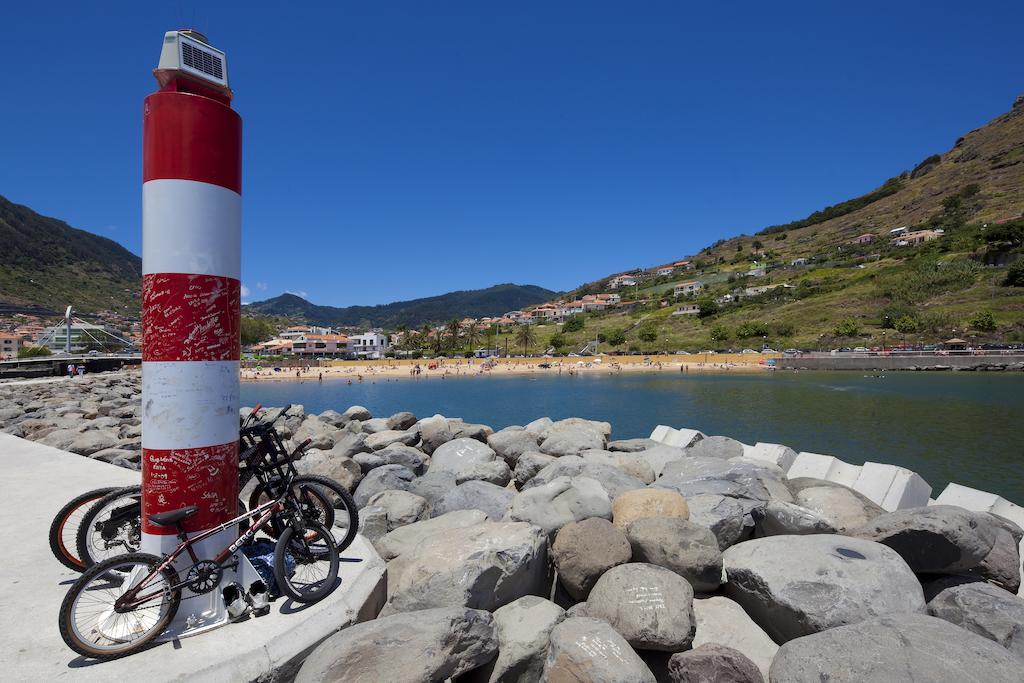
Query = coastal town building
x=84 y=337
x=687 y=309
x=757 y=271
x=370 y=345
x=320 y=345
x=9 y=345
x=685 y=265
x=916 y=237
x=688 y=288
x=666 y=270
x=275 y=347
x=797 y=262
x=866 y=238
x=621 y=281
x=896 y=232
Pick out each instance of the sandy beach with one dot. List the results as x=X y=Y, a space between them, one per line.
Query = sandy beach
x=355 y=371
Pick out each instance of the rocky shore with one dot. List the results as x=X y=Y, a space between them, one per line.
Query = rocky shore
x=552 y=551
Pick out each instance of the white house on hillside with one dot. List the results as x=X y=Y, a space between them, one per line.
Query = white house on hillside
x=371 y=345
x=687 y=288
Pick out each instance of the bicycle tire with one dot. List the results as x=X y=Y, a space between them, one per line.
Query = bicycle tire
x=286 y=545
x=311 y=489
x=82 y=543
x=346 y=500
x=68 y=631
x=66 y=556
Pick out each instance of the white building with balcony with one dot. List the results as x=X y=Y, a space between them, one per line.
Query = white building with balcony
x=370 y=345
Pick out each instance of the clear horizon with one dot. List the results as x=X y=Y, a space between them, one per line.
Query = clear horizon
x=404 y=151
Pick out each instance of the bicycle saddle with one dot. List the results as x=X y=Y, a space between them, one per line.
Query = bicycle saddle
x=172 y=517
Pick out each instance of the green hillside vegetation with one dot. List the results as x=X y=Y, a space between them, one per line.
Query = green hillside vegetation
x=46 y=262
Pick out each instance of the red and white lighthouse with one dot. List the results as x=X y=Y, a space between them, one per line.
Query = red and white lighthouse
x=191 y=262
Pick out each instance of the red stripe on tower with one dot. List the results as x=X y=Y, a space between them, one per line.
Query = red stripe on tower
x=192 y=182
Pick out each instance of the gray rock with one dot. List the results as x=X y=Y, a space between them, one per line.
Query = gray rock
x=348 y=442
x=386 y=438
x=117 y=455
x=631 y=464
x=942 y=539
x=914 y=648
x=650 y=606
x=467 y=430
x=401 y=421
x=721 y=621
x=373 y=523
x=430 y=645
x=604 y=428
x=345 y=471
x=524 y=629
x=585 y=550
x=539 y=425
x=331 y=417
x=631 y=445
x=1002 y=564
x=843 y=508
x=730 y=519
x=577 y=610
x=358 y=413
x=495 y=472
x=493 y=500
x=721 y=447
x=571 y=439
x=565 y=499
x=983 y=609
x=375 y=425
x=433 y=486
x=613 y=480
x=796 y=585
x=660 y=456
x=510 y=443
x=382 y=479
x=529 y=464
x=400 y=507
x=713 y=663
x=403 y=539
x=699 y=475
x=589 y=650
x=407 y=456
x=678 y=545
x=483 y=566
x=90 y=442
x=368 y=461
x=781 y=519
x=434 y=431
x=459 y=455
x=321 y=435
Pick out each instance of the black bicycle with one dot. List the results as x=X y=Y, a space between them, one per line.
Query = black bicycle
x=118 y=606
x=111 y=523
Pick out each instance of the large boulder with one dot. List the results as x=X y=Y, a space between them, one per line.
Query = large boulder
x=941 y=539
x=382 y=479
x=983 y=609
x=796 y=585
x=483 y=566
x=721 y=447
x=571 y=439
x=787 y=519
x=730 y=519
x=345 y=471
x=582 y=649
x=529 y=464
x=433 y=486
x=321 y=435
x=495 y=472
x=713 y=663
x=357 y=413
x=642 y=503
x=841 y=507
x=604 y=428
x=565 y=499
x=434 y=431
x=476 y=495
x=407 y=456
x=403 y=539
x=658 y=457
x=511 y=443
x=539 y=425
x=348 y=442
x=524 y=629
x=613 y=480
x=375 y=425
x=631 y=445
x=1002 y=564
x=401 y=421
x=400 y=507
x=651 y=607
x=680 y=546
x=391 y=436
x=430 y=645
x=722 y=621
x=912 y=648
x=630 y=463
x=585 y=550
x=460 y=455
x=700 y=475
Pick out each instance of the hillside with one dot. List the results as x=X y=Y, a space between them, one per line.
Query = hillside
x=44 y=262
x=475 y=303
x=850 y=294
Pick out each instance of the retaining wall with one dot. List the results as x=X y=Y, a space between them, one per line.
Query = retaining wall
x=848 y=361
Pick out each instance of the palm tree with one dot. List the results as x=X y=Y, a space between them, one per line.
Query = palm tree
x=525 y=336
x=402 y=331
x=424 y=338
x=472 y=335
x=453 y=328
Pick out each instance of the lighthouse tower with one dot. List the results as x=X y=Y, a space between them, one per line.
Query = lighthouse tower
x=191 y=263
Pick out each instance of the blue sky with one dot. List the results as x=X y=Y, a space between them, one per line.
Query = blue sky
x=404 y=149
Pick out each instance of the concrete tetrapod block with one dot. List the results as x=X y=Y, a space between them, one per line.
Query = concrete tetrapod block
x=775 y=453
x=680 y=438
x=827 y=467
x=892 y=487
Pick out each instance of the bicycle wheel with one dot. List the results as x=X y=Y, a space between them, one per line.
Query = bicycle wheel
x=93 y=626
x=312 y=499
x=306 y=562
x=111 y=527
x=64 y=528
x=346 y=516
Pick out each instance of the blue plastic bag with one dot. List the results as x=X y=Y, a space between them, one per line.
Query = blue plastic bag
x=261 y=556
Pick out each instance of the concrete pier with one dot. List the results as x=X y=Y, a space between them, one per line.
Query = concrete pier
x=37 y=481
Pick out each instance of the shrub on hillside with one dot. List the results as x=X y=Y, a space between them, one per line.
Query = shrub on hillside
x=720 y=333
x=648 y=333
x=846 y=328
x=906 y=324
x=785 y=329
x=574 y=323
x=708 y=307
x=983 y=321
x=1015 y=276
x=751 y=328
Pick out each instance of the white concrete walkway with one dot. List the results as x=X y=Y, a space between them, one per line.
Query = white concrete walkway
x=35 y=482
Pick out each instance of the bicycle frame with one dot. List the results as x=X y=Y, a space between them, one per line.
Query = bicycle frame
x=265 y=512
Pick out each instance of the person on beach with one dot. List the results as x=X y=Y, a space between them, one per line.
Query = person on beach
x=71 y=369
x=321 y=378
